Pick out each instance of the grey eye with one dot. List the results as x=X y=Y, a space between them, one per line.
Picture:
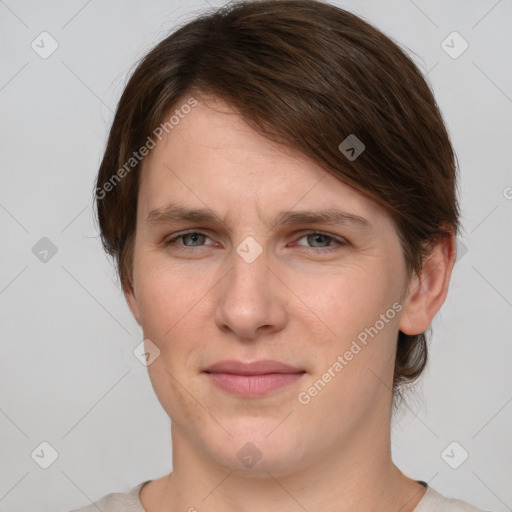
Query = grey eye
x=196 y=238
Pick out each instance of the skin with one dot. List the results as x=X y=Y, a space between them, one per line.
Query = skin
x=296 y=303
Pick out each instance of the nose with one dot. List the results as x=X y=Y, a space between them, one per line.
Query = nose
x=251 y=301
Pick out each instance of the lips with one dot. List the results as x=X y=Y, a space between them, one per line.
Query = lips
x=255 y=379
x=255 y=368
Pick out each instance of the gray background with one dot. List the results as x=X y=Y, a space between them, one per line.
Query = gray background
x=68 y=376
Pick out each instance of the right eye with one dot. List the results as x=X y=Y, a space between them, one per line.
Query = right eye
x=190 y=239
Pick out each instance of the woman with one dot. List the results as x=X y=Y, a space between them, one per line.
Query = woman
x=279 y=193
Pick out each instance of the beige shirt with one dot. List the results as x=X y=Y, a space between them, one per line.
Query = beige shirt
x=432 y=501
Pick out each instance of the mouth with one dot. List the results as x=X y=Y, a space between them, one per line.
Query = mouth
x=254 y=379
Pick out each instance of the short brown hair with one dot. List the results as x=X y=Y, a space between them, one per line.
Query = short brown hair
x=305 y=74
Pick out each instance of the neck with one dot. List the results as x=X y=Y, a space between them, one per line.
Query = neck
x=359 y=475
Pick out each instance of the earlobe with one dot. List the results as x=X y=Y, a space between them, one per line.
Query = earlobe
x=428 y=288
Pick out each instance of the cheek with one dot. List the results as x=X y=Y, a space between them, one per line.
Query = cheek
x=361 y=309
x=350 y=301
x=171 y=309
x=176 y=394
x=167 y=296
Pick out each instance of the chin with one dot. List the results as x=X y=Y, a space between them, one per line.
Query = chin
x=256 y=453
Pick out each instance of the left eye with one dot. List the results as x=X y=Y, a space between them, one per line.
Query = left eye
x=320 y=240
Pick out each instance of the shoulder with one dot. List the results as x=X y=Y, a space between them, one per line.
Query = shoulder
x=117 y=502
x=432 y=501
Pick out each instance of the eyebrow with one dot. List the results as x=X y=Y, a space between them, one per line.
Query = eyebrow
x=174 y=213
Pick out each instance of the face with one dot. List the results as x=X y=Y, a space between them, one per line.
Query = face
x=255 y=277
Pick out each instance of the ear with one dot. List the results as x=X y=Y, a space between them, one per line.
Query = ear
x=133 y=304
x=428 y=288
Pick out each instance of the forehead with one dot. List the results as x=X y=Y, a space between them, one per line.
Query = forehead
x=213 y=159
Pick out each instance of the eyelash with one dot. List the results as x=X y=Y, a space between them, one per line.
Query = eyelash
x=340 y=242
